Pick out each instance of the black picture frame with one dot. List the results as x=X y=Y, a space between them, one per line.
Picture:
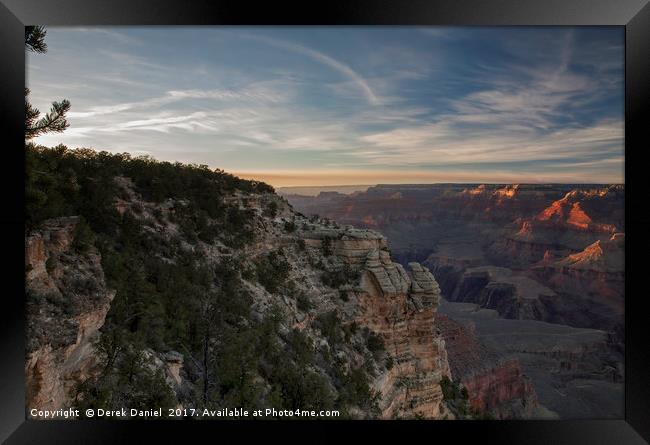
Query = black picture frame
x=634 y=15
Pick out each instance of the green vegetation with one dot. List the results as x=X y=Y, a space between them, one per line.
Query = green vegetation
x=55 y=120
x=50 y=263
x=83 y=238
x=168 y=298
x=375 y=344
x=330 y=325
x=271 y=209
x=326 y=246
x=354 y=388
x=457 y=399
x=303 y=303
x=339 y=276
x=136 y=386
x=273 y=271
x=290 y=227
x=452 y=390
x=63 y=182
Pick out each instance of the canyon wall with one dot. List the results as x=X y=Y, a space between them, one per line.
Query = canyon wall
x=67 y=302
x=495 y=384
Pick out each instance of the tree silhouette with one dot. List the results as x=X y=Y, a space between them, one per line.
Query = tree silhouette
x=55 y=120
x=35 y=39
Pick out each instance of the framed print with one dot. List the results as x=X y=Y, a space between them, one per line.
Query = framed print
x=364 y=219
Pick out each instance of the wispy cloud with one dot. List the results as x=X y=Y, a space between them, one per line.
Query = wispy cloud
x=113 y=34
x=254 y=94
x=474 y=106
x=322 y=58
x=442 y=144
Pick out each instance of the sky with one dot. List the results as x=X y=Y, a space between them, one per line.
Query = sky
x=346 y=105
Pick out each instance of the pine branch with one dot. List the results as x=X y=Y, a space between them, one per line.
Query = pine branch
x=54 y=121
x=35 y=39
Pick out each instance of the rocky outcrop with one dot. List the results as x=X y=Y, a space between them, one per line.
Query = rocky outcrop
x=384 y=276
x=170 y=363
x=519 y=222
x=67 y=302
x=400 y=306
x=68 y=299
x=350 y=244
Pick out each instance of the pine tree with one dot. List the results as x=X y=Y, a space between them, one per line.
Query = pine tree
x=55 y=120
x=35 y=39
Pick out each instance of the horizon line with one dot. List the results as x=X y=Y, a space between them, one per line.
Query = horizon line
x=450 y=183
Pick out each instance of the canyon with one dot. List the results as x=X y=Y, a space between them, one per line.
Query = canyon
x=147 y=306
x=546 y=260
x=152 y=284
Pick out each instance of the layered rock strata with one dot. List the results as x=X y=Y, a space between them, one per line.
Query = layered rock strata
x=400 y=306
x=67 y=302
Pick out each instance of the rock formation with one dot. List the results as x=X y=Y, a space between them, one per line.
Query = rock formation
x=67 y=302
x=400 y=306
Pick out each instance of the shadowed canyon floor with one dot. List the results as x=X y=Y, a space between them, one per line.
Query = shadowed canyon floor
x=573 y=370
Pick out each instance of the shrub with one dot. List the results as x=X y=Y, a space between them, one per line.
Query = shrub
x=300 y=347
x=271 y=210
x=338 y=277
x=273 y=271
x=330 y=325
x=349 y=330
x=83 y=238
x=326 y=246
x=303 y=302
x=138 y=208
x=375 y=344
x=290 y=226
x=447 y=389
x=50 y=264
x=355 y=389
x=452 y=390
